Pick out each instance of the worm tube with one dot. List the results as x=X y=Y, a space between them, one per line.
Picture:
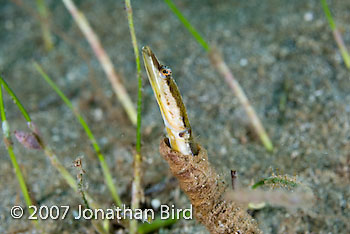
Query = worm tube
x=205 y=189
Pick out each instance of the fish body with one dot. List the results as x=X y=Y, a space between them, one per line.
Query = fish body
x=170 y=104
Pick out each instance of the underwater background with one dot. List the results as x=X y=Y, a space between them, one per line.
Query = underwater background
x=282 y=53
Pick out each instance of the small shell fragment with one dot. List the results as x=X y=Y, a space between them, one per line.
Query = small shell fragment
x=28 y=140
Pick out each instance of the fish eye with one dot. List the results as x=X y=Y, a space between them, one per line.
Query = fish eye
x=165 y=71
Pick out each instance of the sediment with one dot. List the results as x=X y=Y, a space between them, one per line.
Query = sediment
x=205 y=190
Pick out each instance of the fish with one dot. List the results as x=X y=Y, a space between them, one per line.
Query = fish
x=170 y=103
